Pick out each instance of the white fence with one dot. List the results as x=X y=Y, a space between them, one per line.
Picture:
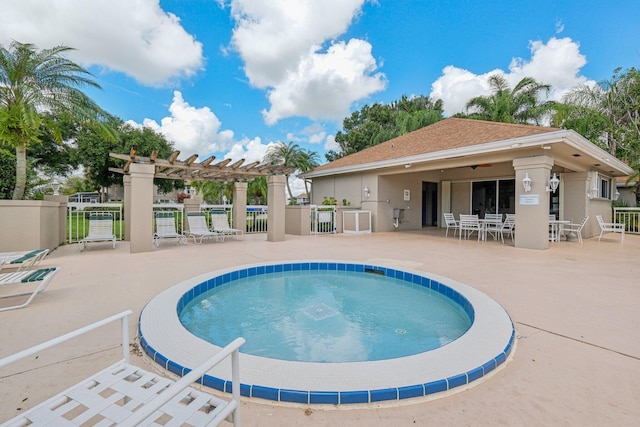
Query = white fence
x=323 y=219
x=78 y=219
x=256 y=216
x=630 y=217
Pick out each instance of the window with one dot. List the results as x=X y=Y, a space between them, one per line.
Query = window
x=497 y=196
x=604 y=186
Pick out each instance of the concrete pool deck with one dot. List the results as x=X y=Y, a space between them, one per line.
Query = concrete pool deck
x=575 y=309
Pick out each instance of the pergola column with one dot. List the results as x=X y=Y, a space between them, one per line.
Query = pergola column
x=141 y=207
x=276 y=208
x=239 y=213
x=127 y=206
x=532 y=208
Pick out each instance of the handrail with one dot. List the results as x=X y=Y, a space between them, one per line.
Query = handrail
x=66 y=337
x=156 y=403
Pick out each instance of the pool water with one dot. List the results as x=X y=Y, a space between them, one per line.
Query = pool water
x=326 y=316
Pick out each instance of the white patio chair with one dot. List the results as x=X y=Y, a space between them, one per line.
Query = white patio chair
x=220 y=223
x=575 y=228
x=610 y=227
x=166 y=228
x=493 y=224
x=22 y=260
x=508 y=226
x=100 y=229
x=451 y=222
x=16 y=284
x=198 y=228
x=469 y=224
x=126 y=395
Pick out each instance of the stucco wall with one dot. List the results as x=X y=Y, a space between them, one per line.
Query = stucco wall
x=29 y=224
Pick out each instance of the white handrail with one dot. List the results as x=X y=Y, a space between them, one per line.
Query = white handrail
x=66 y=337
x=153 y=405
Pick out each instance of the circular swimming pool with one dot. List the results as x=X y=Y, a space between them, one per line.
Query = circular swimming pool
x=458 y=360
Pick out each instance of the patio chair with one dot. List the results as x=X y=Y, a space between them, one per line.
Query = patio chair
x=451 y=222
x=220 y=223
x=610 y=227
x=166 y=229
x=508 y=226
x=22 y=260
x=126 y=395
x=575 y=228
x=100 y=229
x=493 y=224
x=15 y=283
x=469 y=224
x=198 y=228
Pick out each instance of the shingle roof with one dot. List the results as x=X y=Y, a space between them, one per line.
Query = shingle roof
x=446 y=134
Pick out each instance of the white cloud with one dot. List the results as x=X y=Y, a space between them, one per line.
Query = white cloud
x=192 y=130
x=281 y=44
x=331 y=144
x=251 y=150
x=557 y=63
x=137 y=37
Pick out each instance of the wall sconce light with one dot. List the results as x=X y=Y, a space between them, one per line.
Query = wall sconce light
x=553 y=184
x=616 y=195
x=366 y=192
x=526 y=183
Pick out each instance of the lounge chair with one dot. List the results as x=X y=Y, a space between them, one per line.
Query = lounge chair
x=100 y=229
x=126 y=395
x=22 y=260
x=575 y=228
x=610 y=227
x=451 y=222
x=220 y=223
x=198 y=228
x=166 y=229
x=469 y=224
x=14 y=283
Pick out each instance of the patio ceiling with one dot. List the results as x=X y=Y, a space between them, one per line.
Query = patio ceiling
x=189 y=170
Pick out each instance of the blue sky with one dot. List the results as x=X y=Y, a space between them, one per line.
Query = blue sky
x=230 y=77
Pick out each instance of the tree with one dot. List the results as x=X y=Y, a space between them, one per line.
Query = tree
x=381 y=122
x=522 y=104
x=292 y=156
x=33 y=82
x=608 y=114
x=257 y=190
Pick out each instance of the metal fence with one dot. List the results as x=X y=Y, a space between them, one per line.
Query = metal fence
x=78 y=219
x=323 y=219
x=176 y=208
x=630 y=217
x=256 y=216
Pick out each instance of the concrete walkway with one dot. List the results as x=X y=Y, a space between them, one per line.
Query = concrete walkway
x=576 y=309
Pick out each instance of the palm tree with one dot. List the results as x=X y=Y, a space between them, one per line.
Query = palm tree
x=257 y=189
x=33 y=82
x=284 y=154
x=520 y=105
x=307 y=160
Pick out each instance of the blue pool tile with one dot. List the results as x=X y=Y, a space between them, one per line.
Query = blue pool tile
x=425 y=281
x=288 y=267
x=160 y=359
x=226 y=278
x=261 y=269
x=489 y=366
x=326 y=397
x=500 y=358
x=411 y=391
x=457 y=381
x=435 y=387
x=384 y=394
x=398 y=274
x=252 y=271
x=269 y=269
x=342 y=267
x=332 y=266
x=296 y=267
x=474 y=374
x=234 y=275
x=278 y=268
x=358 y=268
x=265 y=392
x=174 y=367
x=243 y=273
x=245 y=390
x=213 y=382
x=295 y=396
x=305 y=266
x=417 y=279
x=361 y=396
x=314 y=266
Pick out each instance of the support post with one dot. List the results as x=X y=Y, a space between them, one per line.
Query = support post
x=276 y=208
x=141 y=223
x=127 y=207
x=240 y=206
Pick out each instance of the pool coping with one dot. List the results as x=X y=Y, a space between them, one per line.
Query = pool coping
x=483 y=348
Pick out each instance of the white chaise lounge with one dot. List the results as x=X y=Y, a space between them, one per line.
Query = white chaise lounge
x=125 y=395
x=198 y=228
x=166 y=228
x=22 y=260
x=220 y=223
x=100 y=229
x=25 y=282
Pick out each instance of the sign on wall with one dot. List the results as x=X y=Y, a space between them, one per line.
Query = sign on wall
x=529 y=199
